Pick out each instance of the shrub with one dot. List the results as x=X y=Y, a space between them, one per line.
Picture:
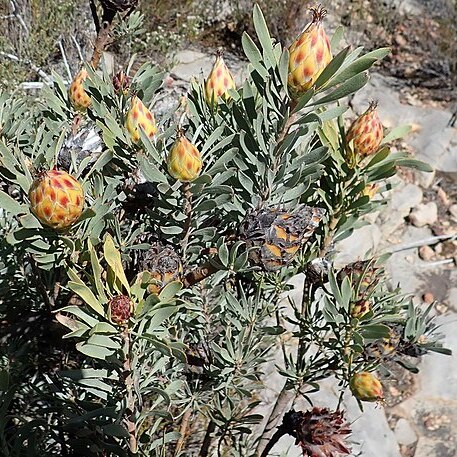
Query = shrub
x=146 y=326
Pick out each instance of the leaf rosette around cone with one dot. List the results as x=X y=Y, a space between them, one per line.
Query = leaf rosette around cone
x=56 y=199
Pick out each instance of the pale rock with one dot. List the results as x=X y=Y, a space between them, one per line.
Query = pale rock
x=424 y=179
x=424 y=214
x=405 y=433
x=426 y=253
x=453 y=211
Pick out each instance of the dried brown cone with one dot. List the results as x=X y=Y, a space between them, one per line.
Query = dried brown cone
x=120 y=309
x=276 y=235
x=319 y=432
x=119 y=5
x=163 y=265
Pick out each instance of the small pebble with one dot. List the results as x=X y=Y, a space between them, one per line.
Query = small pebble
x=426 y=253
x=428 y=298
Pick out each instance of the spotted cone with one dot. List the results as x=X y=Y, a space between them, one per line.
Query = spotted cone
x=56 y=199
x=78 y=96
x=366 y=132
x=138 y=116
x=364 y=276
x=219 y=81
x=366 y=387
x=308 y=55
x=184 y=160
x=120 y=309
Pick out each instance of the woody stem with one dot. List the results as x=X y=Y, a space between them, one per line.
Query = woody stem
x=187 y=197
x=102 y=35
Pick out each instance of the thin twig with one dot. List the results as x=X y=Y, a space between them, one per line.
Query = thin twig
x=129 y=419
x=283 y=401
x=19 y=17
x=274 y=439
x=423 y=242
x=65 y=61
x=78 y=48
x=93 y=10
x=183 y=431
x=40 y=285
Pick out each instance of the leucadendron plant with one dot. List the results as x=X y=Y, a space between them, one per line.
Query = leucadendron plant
x=146 y=260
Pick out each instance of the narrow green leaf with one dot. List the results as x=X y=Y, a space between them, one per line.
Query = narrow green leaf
x=79 y=288
x=170 y=291
x=398 y=132
x=263 y=34
x=113 y=258
x=350 y=86
x=336 y=38
x=331 y=68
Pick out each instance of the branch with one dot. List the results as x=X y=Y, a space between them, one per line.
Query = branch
x=204 y=450
x=281 y=405
x=102 y=36
x=187 y=196
x=183 y=431
x=274 y=439
x=19 y=17
x=129 y=420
